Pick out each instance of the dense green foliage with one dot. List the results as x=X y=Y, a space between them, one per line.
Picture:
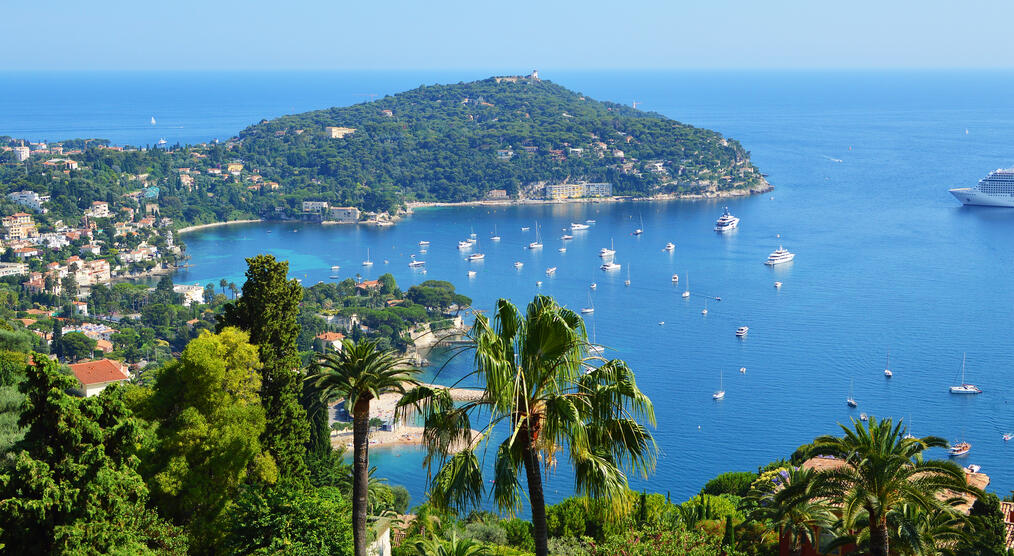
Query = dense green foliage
x=210 y=420
x=441 y=142
x=268 y=310
x=73 y=486
x=291 y=521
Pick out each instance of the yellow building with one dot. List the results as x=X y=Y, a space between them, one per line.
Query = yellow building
x=337 y=132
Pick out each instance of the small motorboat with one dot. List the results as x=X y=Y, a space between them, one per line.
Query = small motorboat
x=1008 y=436
x=742 y=370
x=551 y=271
x=742 y=331
x=335 y=268
x=593 y=285
x=562 y=249
x=589 y=221
x=518 y=264
x=538 y=284
x=464 y=245
x=525 y=228
x=863 y=417
x=669 y=247
x=959 y=449
x=423 y=243
x=417 y=264
x=566 y=237
x=471 y=274
x=476 y=257
x=661 y=322
x=778 y=285
x=973 y=468
x=675 y=278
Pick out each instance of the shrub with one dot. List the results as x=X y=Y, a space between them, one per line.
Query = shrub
x=567 y=546
x=485 y=532
x=566 y=519
x=660 y=542
x=736 y=483
x=519 y=533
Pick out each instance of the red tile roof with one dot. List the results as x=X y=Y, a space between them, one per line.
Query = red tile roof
x=97 y=372
x=331 y=336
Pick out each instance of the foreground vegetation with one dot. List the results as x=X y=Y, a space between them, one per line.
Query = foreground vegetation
x=225 y=449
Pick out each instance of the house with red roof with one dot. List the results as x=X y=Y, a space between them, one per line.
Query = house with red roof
x=94 y=376
x=332 y=340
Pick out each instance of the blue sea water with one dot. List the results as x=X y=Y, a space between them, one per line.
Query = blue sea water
x=886 y=259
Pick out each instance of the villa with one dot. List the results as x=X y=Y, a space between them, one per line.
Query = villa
x=94 y=376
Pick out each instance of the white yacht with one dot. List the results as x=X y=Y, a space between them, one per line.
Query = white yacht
x=742 y=331
x=589 y=221
x=368 y=262
x=335 y=268
x=476 y=256
x=551 y=271
x=417 y=264
x=471 y=274
x=566 y=237
x=518 y=264
x=575 y=226
x=675 y=278
x=610 y=266
x=781 y=255
x=591 y=306
x=593 y=285
x=726 y=222
x=494 y=237
x=994 y=190
x=686 y=292
x=464 y=245
x=964 y=387
x=423 y=243
x=720 y=393
x=537 y=244
x=669 y=247
x=604 y=252
x=562 y=249
x=887 y=368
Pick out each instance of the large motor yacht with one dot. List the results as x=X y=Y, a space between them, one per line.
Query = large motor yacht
x=726 y=222
x=781 y=255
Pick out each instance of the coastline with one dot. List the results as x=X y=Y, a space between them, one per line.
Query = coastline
x=726 y=194
x=216 y=224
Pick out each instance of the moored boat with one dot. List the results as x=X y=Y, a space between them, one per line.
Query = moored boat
x=781 y=255
x=742 y=331
x=726 y=222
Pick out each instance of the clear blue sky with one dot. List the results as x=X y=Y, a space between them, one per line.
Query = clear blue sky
x=515 y=35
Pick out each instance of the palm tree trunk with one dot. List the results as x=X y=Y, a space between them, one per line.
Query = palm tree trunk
x=879 y=543
x=537 y=500
x=360 y=472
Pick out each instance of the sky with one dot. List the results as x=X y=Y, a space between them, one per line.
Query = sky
x=516 y=35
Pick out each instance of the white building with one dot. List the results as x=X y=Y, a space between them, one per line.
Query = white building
x=191 y=294
x=13 y=269
x=94 y=376
x=314 y=206
x=29 y=199
x=21 y=154
x=99 y=209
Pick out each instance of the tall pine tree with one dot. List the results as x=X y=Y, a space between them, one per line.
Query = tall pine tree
x=269 y=311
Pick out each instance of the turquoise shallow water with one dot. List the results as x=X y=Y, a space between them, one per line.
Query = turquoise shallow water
x=886 y=260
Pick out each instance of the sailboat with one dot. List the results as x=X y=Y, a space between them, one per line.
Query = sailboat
x=909 y=435
x=153 y=120
x=887 y=368
x=959 y=449
x=640 y=230
x=965 y=388
x=720 y=393
x=594 y=348
x=627 y=281
x=591 y=306
x=494 y=237
x=537 y=244
x=851 y=400
x=704 y=311
x=686 y=292
x=367 y=262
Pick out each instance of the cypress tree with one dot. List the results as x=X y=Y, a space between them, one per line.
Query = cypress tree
x=269 y=311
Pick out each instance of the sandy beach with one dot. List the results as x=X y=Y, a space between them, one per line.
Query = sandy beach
x=216 y=224
x=383 y=408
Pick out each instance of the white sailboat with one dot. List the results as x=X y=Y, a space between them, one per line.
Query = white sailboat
x=704 y=311
x=686 y=292
x=851 y=400
x=887 y=368
x=153 y=120
x=607 y=252
x=537 y=244
x=720 y=393
x=640 y=230
x=594 y=348
x=494 y=237
x=627 y=281
x=591 y=306
x=908 y=434
x=964 y=387
x=367 y=262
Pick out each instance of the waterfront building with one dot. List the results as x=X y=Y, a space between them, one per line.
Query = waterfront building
x=344 y=215
x=577 y=190
x=498 y=194
x=315 y=206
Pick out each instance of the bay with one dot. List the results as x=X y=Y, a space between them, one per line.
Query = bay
x=861 y=162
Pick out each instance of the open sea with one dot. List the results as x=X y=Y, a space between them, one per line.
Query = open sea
x=886 y=260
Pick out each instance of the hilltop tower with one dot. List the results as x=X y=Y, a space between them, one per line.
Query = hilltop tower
x=534 y=76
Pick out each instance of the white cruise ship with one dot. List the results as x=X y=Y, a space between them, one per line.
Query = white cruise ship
x=726 y=222
x=994 y=190
x=780 y=256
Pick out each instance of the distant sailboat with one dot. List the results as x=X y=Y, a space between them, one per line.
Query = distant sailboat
x=153 y=120
x=887 y=368
x=686 y=292
x=627 y=281
x=851 y=400
x=964 y=387
x=594 y=348
x=720 y=393
x=640 y=230
x=591 y=306
x=704 y=311
x=494 y=237
x=909 y=435
x=367 y=262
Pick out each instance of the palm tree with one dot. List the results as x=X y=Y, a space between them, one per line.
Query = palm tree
x=532 y=368
x=914 y=531
x=233 y=289
x=883 y=472
x=454 y=547
x=788 y=503
x=360 y=372
x=223 y=283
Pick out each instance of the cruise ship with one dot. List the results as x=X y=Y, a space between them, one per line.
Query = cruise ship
x=726 y=222
x=994 y=190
